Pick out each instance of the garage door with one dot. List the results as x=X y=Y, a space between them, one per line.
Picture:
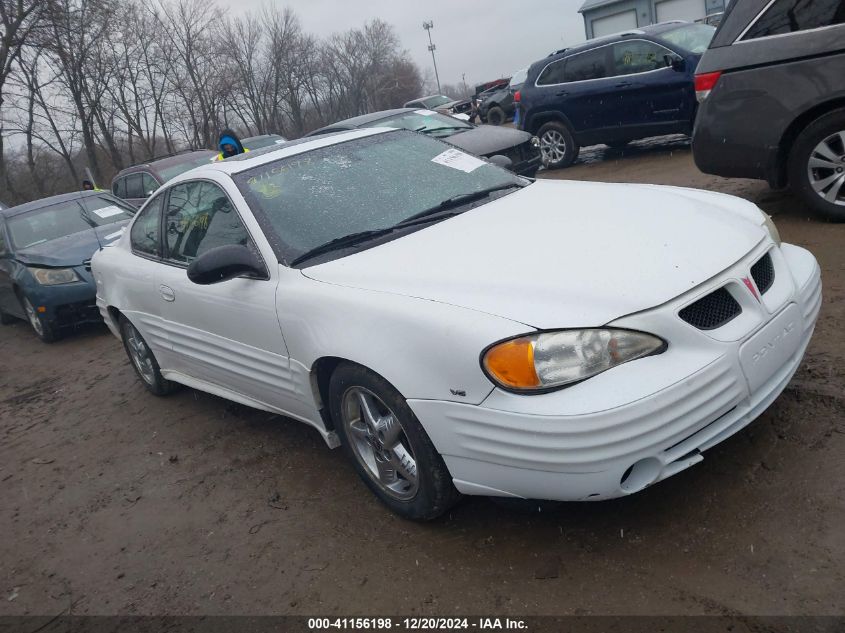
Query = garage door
x=615 y=23
x=688 y=10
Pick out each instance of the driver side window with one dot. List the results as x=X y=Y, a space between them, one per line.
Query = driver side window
x=200 y=217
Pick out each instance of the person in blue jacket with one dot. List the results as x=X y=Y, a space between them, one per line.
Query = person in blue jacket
x=229 y=145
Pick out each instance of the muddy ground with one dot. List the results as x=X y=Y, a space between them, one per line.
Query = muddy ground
x=114 y=501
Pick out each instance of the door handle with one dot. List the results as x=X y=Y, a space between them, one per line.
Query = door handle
x=623 y=84
x=167 y=293
x=562 y=93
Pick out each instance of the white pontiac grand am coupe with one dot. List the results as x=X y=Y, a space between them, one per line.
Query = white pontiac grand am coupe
x=457 y=328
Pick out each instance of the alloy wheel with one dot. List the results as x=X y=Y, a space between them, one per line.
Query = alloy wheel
x=140 y=354
x=826 y=168
x=379 y=443
x=32 y=315
x=552 y=147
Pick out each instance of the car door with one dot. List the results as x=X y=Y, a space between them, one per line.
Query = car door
x=8 y=301
x=655 y=94
x=588 y=97
x=225 y=334
x=137 y=279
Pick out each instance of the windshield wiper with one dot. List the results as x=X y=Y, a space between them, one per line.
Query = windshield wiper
x=445 y=128
x=341 y=242
x=85 y=215
x=454 y=201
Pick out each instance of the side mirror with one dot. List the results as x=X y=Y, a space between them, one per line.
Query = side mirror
x=675 y=63
x=224 y=263
x=501 y=161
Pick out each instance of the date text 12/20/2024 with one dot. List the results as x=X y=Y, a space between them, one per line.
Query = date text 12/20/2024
x=417 y=624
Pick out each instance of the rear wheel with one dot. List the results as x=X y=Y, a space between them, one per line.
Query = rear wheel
x=43 y=329
x=557 y=145
x=388 y=446
x=143 y=360
x=496 y=116
x=817 y=165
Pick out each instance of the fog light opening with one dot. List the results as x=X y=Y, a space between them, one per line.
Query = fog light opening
x=641 y=474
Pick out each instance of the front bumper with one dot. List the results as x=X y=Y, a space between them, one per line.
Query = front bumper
x=644 y=421
x=528 y=168
x=67 y=305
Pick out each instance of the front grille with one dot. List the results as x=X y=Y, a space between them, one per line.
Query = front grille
x=87 y=265
x=522 y=152
x=711 y=311
x=763 y=273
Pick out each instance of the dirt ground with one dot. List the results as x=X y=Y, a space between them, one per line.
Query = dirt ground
x=117 y=502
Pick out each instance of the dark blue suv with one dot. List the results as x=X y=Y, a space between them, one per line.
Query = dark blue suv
x=614 y=90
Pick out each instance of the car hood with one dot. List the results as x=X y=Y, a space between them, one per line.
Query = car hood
x=487 y=140
x=71 y=250
x=562 y=254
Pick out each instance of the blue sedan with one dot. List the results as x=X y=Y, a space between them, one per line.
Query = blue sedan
x=45 y=252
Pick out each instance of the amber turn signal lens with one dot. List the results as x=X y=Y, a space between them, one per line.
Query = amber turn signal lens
x=512 y=364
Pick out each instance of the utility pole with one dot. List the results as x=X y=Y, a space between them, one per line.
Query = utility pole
x=428 y=26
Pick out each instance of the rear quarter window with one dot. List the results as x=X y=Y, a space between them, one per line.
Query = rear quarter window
x=145 y=235
x=792 y=16
x=552 y=74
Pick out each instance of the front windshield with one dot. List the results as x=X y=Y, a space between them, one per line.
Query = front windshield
x=425 y=121
x=190 y=161
x=433 y=102
x=694 y=38
x=65 y=218
x=370 y=183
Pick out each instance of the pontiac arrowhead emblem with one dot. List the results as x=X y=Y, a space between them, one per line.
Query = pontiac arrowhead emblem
x=751 y=287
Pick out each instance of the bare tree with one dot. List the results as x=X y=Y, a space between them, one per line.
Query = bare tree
x=100 y=83
x=18 y=18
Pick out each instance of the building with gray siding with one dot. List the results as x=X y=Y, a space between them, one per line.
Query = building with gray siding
x=603 y=17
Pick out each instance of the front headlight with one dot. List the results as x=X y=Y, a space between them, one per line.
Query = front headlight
x=54 y=276
x=770 y=225
x=550 y=360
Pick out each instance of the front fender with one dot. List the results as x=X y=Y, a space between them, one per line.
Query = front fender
x=426 y=349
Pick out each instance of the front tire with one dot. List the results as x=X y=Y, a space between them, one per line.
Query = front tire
x=143 y=360
x=557 y=145
x=42 y=328
x=817 y=165
x=496 y=116
x=388 y=446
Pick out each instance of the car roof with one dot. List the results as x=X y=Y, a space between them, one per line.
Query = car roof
x=430 y=97
x=364 y=119
x=166 y=161
x=648 y=31
x=46 y=202
x=258 y=157
x=651 y=31
x=260 y=136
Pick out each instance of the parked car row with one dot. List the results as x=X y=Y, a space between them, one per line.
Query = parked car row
x=398 y=283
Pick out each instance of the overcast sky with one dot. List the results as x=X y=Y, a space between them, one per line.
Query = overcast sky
x=485 y=39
